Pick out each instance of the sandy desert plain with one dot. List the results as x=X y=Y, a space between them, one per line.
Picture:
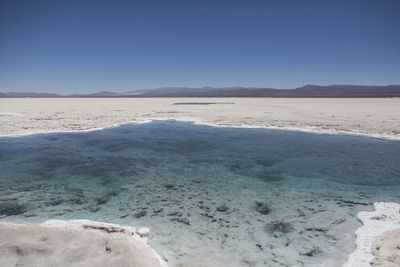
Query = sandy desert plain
x=376 y=117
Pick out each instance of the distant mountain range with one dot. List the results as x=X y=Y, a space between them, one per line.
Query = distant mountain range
x=304 y=91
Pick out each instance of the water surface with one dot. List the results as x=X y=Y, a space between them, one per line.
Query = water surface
x=247 y=197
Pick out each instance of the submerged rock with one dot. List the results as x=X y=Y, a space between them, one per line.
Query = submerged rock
x=222 y=208
x=181 y=220
x=324 y=221
x=11 y=208
x=270 y=176
x=103 y=199
x=239 y=167
x=94 y=209
x=175 y=213
x=262 y=207
x=54 y=202
x=279 y=226
x=311 y=251
x=158 y=210
x=76 y=201
x=266 y=162
x=140 y=214
x=169 y=186
x=264 y=173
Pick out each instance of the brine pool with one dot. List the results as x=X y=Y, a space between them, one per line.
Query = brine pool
x=210 y=195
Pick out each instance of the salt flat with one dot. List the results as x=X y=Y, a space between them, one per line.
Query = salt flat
x=373 y=117
x=367 y=116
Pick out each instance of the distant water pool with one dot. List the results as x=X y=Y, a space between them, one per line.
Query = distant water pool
x=202 y=103
x=222 y=196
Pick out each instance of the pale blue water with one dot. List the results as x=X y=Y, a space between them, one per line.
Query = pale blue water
x=199 y=188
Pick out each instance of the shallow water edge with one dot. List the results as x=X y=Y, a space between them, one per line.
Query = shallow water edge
x=305 y=129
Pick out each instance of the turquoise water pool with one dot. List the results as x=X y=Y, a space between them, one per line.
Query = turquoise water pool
x=228 y=196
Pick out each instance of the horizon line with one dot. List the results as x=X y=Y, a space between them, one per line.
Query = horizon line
x=193 y=87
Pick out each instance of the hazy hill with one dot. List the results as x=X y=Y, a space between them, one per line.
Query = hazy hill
x=27 y=94
x=304 y=91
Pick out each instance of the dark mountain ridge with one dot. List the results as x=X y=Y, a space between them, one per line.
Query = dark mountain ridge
x=304 y=91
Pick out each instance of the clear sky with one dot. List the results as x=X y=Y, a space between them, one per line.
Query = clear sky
x=89 y=46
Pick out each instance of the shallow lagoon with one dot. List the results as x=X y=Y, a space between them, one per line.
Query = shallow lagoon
x=227 y=196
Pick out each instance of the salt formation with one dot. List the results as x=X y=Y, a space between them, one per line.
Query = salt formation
x=386 y=217
x=138 y=235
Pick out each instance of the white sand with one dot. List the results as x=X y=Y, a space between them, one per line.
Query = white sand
x=74 y=243
x=366 y=116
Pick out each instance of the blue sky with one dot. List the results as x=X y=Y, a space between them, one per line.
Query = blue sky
x=89 y=46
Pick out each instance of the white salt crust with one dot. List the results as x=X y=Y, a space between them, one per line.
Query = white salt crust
x=386 y=217
x=138 y=234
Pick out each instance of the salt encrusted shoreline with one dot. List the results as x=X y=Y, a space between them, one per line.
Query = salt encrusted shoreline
x=305 y=129
x=367 y=117
x=386 y=217
x=20 y=243
x=138 y=234
x=378 y=228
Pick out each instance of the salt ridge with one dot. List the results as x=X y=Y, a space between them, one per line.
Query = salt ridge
x=138 y=235
x=386 y=217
